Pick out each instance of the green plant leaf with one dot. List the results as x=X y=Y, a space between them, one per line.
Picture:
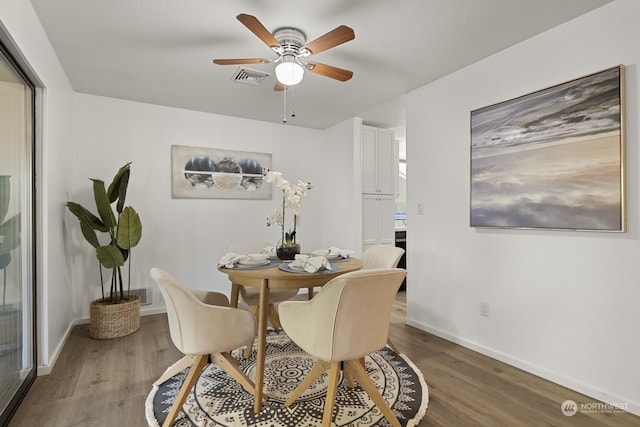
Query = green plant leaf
x=89 y=233
x=118 y=187
x=129 y=228
x=110 y=256
x=85 y=215
x=5 y=195
x=103 y=204
x=122 y=195
x=125 y=253
x=10 y=232
x=5 y=260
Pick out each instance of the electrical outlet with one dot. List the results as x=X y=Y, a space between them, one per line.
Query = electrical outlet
x=420 y=208
x=484 y=308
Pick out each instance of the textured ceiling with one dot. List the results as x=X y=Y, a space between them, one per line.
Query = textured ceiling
x=161 y=51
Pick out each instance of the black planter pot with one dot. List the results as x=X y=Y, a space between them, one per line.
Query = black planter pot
x=288 y=252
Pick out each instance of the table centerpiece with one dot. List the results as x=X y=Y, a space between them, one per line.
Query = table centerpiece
x=292 y=195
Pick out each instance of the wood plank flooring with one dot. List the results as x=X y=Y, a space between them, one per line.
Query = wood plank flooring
x=105 y=383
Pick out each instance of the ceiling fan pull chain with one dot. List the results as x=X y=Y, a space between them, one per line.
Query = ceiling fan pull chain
x=284 y=109
x=293 y=102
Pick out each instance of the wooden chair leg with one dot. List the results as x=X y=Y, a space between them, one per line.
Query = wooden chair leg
x=247 y=351
x=177 y=367
x=318 y=369
x=198 y=365
x=332 y=391
x=227 y=362
x=367 y=385
x=274 y=317
x=351 y=381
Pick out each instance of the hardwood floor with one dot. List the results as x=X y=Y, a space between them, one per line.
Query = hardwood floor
x=100 y=383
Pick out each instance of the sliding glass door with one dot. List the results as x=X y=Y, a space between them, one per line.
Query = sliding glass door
x=17 y=259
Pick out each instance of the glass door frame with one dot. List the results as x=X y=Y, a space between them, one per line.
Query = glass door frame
x=11 y=53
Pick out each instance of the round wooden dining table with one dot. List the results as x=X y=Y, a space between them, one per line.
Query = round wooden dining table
x=271 y=278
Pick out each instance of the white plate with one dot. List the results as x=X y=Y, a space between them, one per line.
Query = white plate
x=325 y=254
x=294 y=269
x=253 y=262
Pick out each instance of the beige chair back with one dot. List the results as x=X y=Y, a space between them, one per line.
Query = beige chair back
x=204 y=332
x=348 y=318
x=199 y=328
x=381 y=256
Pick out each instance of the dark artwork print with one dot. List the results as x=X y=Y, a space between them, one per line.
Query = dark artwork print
x=200 y=172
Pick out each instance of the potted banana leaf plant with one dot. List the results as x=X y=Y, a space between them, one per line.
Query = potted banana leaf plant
x=112 y=235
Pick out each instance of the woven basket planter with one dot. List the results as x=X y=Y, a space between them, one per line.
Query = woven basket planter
x=114 y=320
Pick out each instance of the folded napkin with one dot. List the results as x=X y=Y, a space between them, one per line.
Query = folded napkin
x=310 y=264
x=230 y=259
x=269 y=250
x=333 y=252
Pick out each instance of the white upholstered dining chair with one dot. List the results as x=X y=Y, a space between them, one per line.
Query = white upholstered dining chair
x=347 y=320
x=381 y=256
x=202 y=327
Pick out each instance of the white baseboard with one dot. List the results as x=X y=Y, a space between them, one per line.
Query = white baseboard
x=46 y=369
x=150 y=311
x=571 y=383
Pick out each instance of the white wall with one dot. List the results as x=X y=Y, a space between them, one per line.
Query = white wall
x=86 y=136
x=563 y=305
x=342 y=210
x=188 y=236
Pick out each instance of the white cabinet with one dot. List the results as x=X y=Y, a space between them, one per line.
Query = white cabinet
x=379 y=186
x=379 y=161
x=378 y=227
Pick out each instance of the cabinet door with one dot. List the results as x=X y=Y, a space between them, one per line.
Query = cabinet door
x=378 y=225
x=369 y=160
x=387 y=162
x=386 y=224
x=370 y=220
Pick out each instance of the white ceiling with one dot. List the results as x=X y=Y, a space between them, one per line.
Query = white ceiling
x=161 y=51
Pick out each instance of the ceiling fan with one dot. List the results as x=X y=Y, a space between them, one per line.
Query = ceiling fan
x=292 y=49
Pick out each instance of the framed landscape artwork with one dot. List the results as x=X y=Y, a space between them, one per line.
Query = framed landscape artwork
x=552 y=159
x=198 y=172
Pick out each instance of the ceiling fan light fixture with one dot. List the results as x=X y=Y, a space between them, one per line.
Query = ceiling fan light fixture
x=290 y=44
x=289 y=72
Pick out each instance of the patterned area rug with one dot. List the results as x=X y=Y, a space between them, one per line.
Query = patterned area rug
x=218 y=400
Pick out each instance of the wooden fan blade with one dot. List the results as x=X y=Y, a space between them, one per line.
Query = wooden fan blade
x=333 y=38
x=256 y=27
x=278 y=86
x=242 y=61
x=330 y=71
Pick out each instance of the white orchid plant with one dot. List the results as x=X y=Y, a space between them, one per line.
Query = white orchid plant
x=292 y=195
